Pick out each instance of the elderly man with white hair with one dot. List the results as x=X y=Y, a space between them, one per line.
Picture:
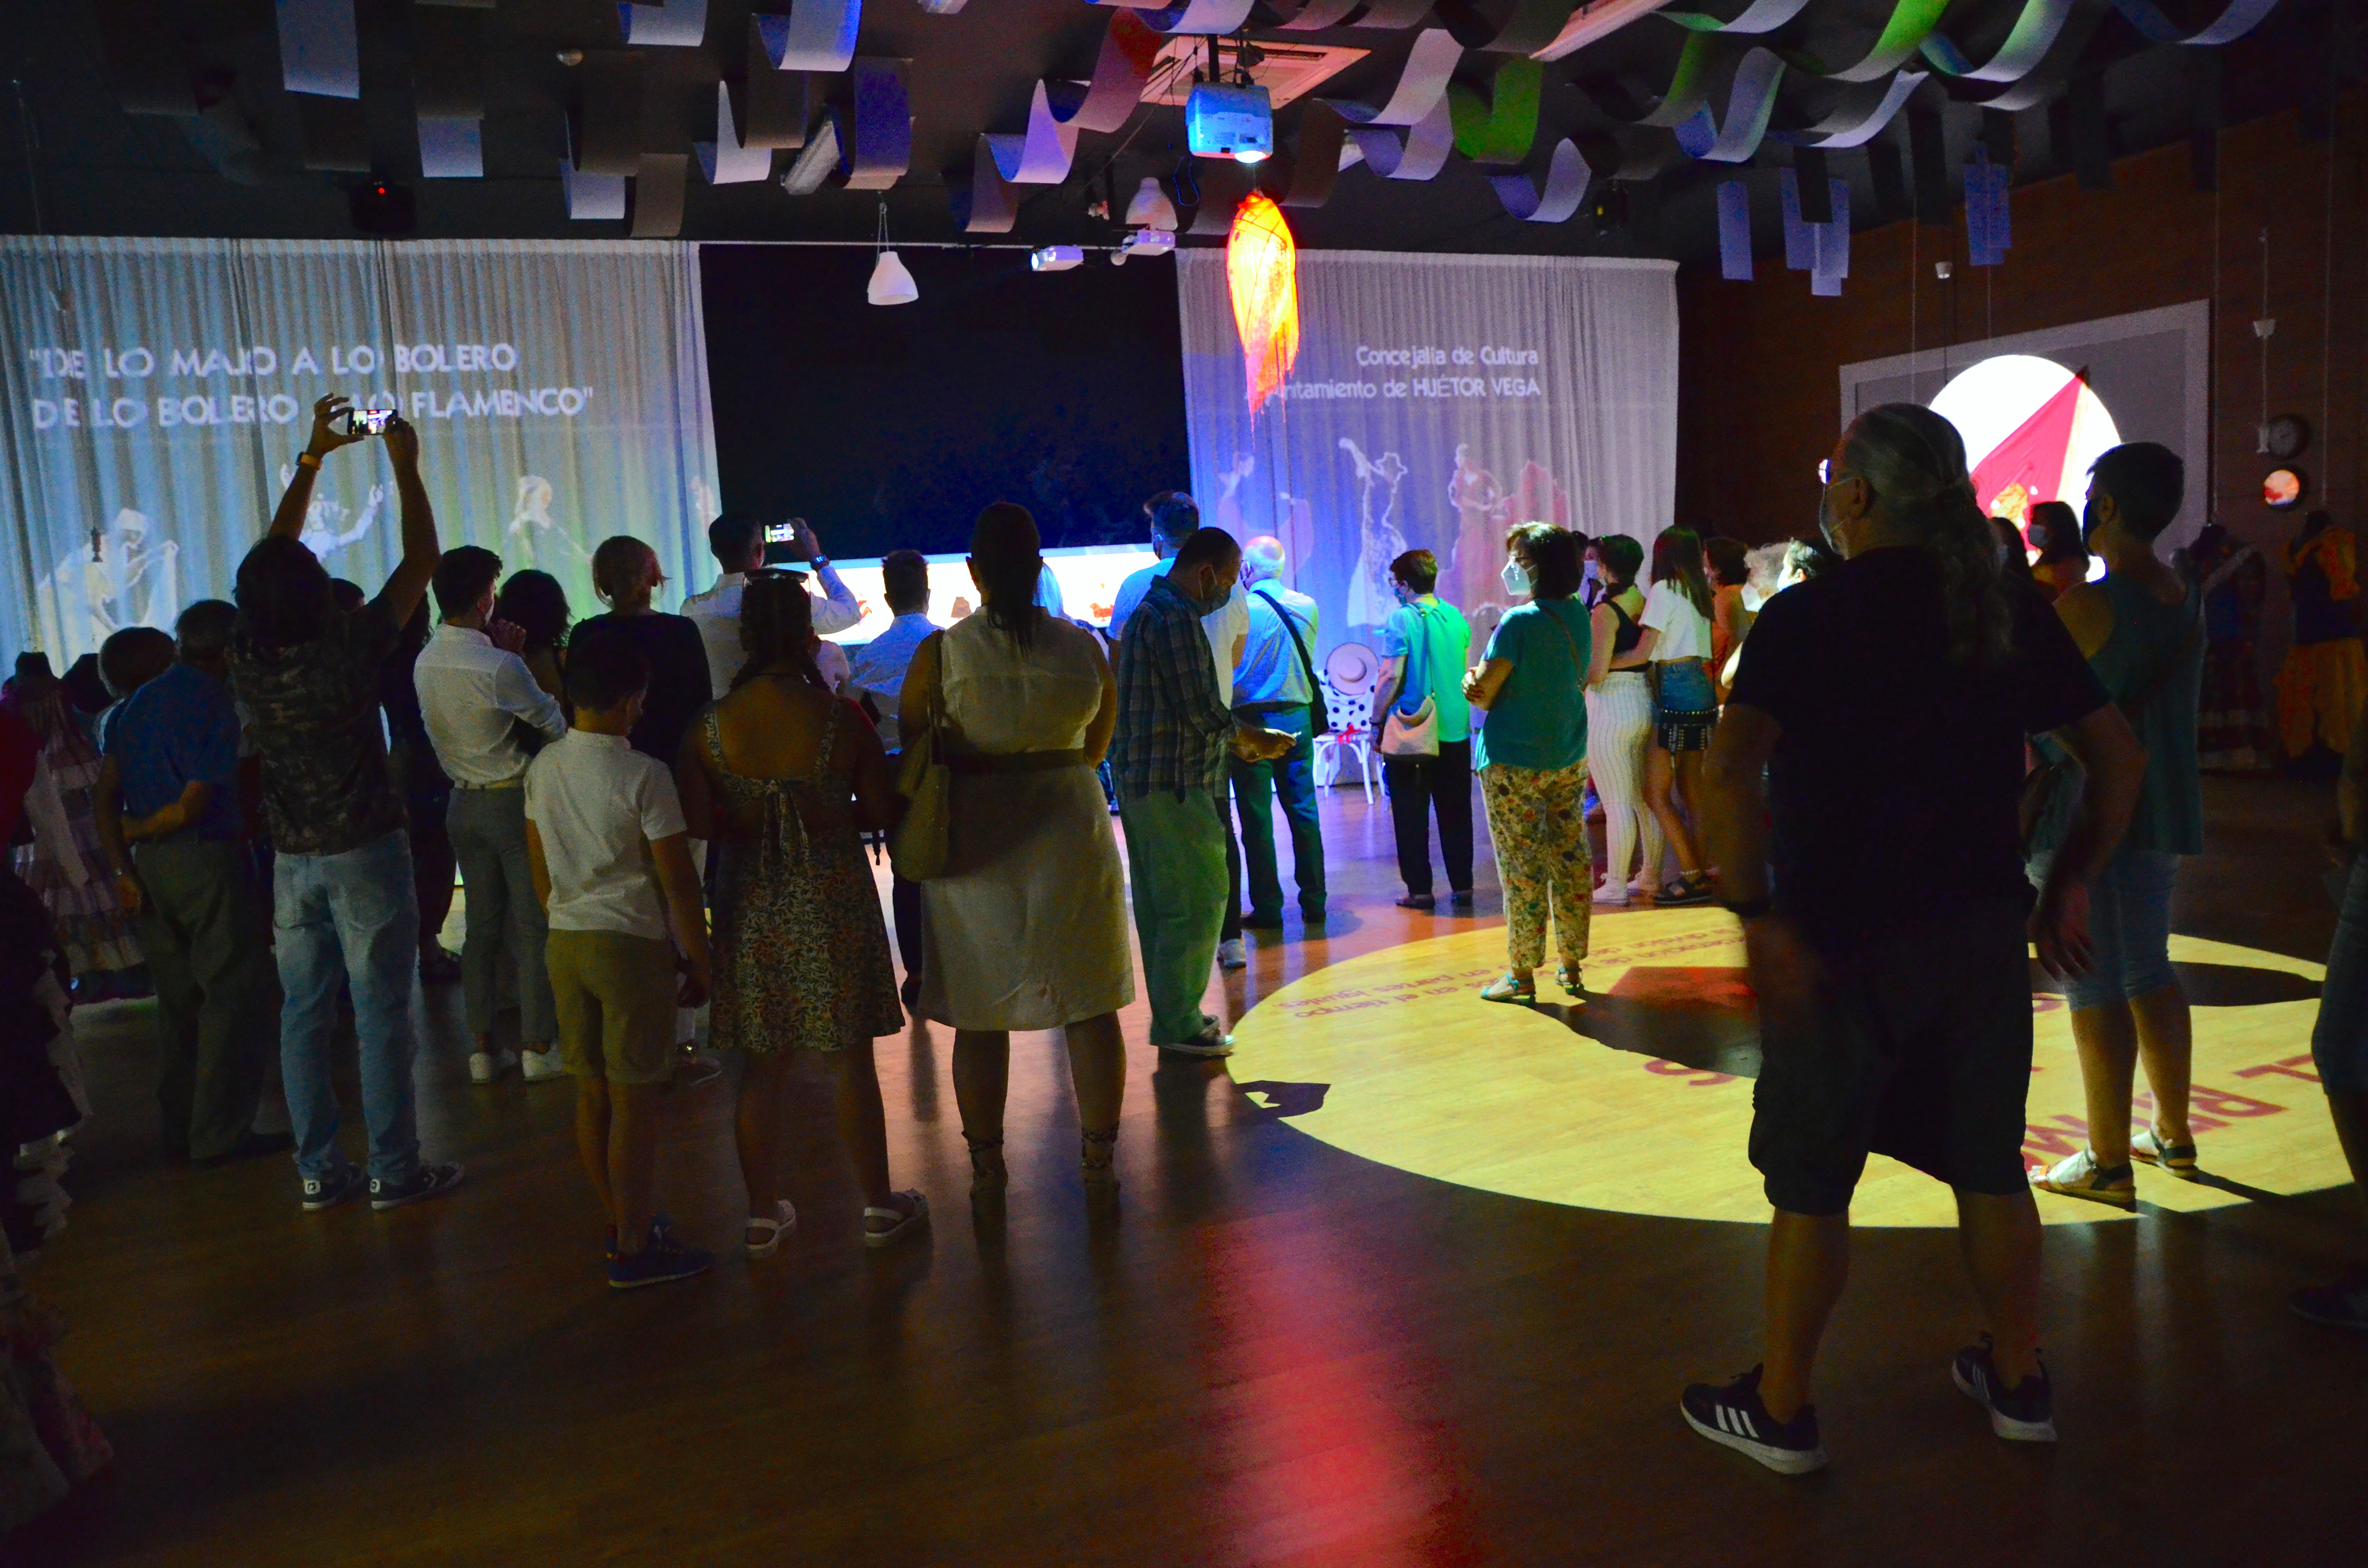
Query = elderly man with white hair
x=1275 y=688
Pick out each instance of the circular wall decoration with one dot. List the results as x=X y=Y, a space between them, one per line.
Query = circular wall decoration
x=2282 y=488
x=1641 y=1100
x=2286 y=434
x=2031 y=429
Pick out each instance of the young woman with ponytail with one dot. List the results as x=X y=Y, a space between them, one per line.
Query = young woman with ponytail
x=1862 y=800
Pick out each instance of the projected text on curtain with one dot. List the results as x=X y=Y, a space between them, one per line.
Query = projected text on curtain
x=159 y=392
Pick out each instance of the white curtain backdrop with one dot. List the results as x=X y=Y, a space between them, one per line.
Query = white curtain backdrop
x=156 y=391
x=1437 y=400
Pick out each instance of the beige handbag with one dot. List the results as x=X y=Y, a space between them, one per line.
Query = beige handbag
x=1405 y=738
x=918 y=846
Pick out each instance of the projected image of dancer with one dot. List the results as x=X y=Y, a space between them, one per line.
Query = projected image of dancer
x=1371 y=597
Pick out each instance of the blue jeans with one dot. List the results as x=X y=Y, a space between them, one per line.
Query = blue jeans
x=354 y=915
x=2339 y=1044
x=1290 y=776
x=2129 y=926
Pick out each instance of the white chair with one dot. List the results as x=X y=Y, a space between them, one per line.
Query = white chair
x=1352 y=732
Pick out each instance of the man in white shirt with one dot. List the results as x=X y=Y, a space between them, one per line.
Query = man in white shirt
x=1275 y=688
x=737 y=541
x=480 y=703
x=1174 y=518
x=878 y=682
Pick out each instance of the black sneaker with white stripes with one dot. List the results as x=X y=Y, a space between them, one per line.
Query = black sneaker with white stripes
x=2024 y=1414
x=1734 y=1415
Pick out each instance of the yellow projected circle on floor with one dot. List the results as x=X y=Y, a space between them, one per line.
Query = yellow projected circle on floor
x=1641 y=1100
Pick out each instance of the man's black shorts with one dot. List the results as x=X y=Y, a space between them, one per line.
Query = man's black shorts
x=1919 y=1049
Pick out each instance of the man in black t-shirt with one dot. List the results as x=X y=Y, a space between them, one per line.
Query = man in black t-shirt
x=1886 y=704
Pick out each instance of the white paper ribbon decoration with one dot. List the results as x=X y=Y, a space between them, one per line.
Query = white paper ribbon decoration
x=1567 y=178
x=724 y=161
x=677 y=24
x=1057 y=112
x=1861 y=119
x=320 y=49
x=450 y=149
x=818 y=35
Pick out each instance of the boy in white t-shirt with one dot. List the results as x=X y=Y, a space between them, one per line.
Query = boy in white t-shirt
x=612 y=867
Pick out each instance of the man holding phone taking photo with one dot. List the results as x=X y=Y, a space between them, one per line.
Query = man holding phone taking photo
x=344 y=903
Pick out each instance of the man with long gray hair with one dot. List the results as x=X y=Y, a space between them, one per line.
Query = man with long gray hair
x=1886 y=704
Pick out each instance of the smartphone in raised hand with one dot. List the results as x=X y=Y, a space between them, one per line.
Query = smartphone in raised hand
x=368 y=421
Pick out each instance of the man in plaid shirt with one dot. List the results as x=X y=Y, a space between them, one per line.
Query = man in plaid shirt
x=1169 y=762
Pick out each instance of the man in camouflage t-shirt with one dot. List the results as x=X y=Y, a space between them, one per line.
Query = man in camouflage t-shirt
x=344 y=900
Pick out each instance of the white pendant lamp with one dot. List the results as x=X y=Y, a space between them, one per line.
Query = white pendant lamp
x=892 y=283
x=1150 y=209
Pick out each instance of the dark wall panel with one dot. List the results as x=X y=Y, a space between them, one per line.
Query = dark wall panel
x=891 y=427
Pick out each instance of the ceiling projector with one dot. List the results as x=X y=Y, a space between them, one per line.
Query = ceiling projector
x=1229 y=122
x=1056 y=259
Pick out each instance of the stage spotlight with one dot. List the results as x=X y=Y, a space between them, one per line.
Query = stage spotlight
x=1056 y=259
x=890 y=283
x=1229 y=122
x=1150 y=209
x=1145 y=242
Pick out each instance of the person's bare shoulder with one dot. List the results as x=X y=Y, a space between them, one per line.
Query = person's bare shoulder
x=2087 y=611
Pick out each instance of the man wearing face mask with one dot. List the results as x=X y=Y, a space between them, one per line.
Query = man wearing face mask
x=1167 y=760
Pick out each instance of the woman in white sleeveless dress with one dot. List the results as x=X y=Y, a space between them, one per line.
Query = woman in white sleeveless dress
x=1027 y=930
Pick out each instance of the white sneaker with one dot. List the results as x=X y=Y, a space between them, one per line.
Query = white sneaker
x=537 y=1066
x=484 y=1067
x=1232 y=955
x=1611 y=895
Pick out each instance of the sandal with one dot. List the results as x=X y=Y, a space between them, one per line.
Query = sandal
x=987 y=1172
x=901 y=1221
x=1568 y=977
x=1694 y=889
x=2079 y=1175
x=784 y=1219
x=1098 y=1160
x=1505 y=988
x=2151 y=1147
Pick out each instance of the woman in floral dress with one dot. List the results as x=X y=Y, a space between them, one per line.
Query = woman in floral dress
x=783 y=776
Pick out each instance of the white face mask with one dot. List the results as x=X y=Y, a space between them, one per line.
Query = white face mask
x=1516 y=577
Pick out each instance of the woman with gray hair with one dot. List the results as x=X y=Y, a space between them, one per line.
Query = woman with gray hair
x=1878 y=874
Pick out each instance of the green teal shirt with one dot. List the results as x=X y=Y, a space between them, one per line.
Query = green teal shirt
x=1539 y=717
x=1434 y=640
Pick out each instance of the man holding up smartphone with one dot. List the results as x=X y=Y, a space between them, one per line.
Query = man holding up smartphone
x=344 y=904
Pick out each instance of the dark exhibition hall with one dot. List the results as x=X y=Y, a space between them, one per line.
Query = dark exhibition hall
x=1379 y=783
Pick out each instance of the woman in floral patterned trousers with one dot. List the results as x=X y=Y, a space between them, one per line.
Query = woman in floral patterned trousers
x=1537 y=818
x=1532 y=757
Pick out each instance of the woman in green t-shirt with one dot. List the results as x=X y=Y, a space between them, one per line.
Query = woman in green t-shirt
x=1424 y=643
x=1532 y=756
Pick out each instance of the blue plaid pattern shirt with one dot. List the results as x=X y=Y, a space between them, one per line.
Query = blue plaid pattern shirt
x=1172 y=728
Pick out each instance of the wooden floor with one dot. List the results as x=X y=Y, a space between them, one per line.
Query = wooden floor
x=1274 y=1351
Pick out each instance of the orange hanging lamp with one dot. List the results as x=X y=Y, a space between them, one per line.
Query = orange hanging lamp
x=1262 y=275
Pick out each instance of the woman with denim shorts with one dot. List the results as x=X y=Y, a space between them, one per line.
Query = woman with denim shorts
x=2139 y=632
x=1676 y=646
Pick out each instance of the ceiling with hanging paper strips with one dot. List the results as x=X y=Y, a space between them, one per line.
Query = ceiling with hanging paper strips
x=1513 y=125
